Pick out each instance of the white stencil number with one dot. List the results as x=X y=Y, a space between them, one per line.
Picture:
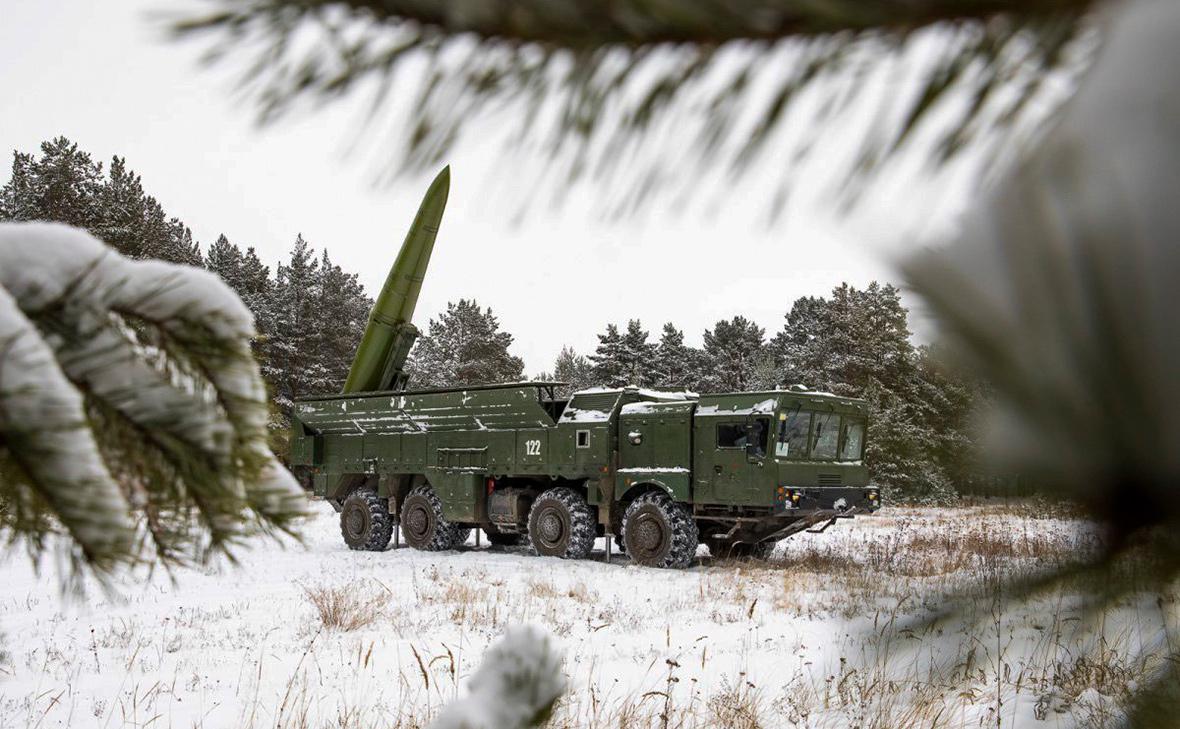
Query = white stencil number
x=532 y=447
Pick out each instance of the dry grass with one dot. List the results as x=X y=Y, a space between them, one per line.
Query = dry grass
x=347 y=607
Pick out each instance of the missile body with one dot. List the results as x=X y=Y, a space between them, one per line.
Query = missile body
x=380 y=358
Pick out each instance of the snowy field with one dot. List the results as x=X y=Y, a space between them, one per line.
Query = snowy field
x=318 y=636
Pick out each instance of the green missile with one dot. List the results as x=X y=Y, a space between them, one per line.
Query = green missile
x=380 y=358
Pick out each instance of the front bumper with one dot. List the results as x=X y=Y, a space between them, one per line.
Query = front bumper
x=834 y=499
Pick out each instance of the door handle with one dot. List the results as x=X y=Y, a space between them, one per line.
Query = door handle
x=717 y=469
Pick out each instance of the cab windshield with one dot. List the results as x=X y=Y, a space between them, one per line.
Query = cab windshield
x=819 y=436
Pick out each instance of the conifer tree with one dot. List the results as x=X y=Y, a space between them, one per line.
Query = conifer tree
x=638 y=355
x=609 y=369
x=676 y=365
x=289 y=354
x=62 y=185
x=16 y=197
x=464 y=346
x=574 y=369
x=65 y=185
x=225 y=259
x=732 y=349
x=256 y=288
x=124 y=213
x=342 y=312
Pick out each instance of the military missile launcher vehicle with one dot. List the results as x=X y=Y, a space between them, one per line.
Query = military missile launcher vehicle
x=658 y=472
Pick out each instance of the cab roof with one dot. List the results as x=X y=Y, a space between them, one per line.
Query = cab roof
x=767 y=401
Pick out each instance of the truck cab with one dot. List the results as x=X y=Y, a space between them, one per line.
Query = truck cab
x=770 y=464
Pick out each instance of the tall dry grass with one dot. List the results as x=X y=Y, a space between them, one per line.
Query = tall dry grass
x=347 y=607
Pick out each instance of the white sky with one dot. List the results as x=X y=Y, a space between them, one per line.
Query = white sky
x=100 y=74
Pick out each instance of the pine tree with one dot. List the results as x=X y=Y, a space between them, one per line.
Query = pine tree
x=17 y=201
x=573 y=369
x=63 y=185
x=798 y=350
x=225 y=259
x=256 y=291
x=289 y=356
x=676 y=366
x=342 y=312
x=638 y=355
x=464 y=346
x=124 y=211
x=733 y=349
x=609 y=368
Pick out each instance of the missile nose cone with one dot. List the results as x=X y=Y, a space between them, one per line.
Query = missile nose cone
x=435 y=200
x=441 y=182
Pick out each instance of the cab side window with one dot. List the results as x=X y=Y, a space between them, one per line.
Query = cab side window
x=731 y=435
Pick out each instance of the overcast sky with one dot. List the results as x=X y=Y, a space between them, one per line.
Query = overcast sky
x=100 y=74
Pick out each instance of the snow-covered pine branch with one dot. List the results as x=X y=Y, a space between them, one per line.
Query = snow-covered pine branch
x=515 y=687
x=132 y=412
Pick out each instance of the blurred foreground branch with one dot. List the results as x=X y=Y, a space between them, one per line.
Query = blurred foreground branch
x=1062 y=295
x=132 y=414
x=592 y=87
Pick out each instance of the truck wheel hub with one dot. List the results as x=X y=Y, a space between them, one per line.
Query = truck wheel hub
x=416 y=521
x=552 y=527
x=648 y=535
x=355 y=522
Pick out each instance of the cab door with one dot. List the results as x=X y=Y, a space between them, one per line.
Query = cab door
x=729 y=472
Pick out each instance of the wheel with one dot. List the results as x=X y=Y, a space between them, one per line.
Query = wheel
x=659 y=532
x=364 y=521
x=725 y=549
x=423 y=524
x=561 y=524
x=501 y=539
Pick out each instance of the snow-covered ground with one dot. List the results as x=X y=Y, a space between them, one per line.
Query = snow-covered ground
x=815 y=636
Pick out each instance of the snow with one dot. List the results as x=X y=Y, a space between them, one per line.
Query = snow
x=245 y=647
x=597 y=390
x=516 y=684
x=676 y=469
x=647 y=408
x=576 y=415
x=764 y=407
x=667 y=395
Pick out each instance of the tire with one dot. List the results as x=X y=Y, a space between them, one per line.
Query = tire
x=423 y=524
x=502 y=539
x=658 y=532
x=561 y=524
x=364 y=521
x=723 y=549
